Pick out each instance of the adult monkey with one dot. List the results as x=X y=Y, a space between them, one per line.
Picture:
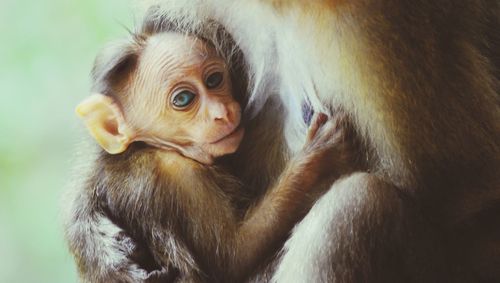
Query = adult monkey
x=420 y=79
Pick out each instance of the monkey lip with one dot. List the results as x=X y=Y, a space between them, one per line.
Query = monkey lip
x=237 y=132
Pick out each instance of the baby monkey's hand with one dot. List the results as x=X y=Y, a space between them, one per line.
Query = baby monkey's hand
x=331 y=148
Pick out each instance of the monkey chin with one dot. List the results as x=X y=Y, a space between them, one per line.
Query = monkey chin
x=227 y=145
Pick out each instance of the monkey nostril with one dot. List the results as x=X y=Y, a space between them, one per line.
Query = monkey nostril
x=221 y=114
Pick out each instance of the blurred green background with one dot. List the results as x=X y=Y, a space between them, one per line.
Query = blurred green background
x=46 y=52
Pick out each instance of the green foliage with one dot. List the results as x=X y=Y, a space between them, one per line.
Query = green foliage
x=46 y=52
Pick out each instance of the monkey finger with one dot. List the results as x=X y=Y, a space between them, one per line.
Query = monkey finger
x=327 y=133
x=338 y=126
x=318 y=120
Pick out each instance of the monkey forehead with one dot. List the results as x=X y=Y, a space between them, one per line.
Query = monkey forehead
x=168 y=53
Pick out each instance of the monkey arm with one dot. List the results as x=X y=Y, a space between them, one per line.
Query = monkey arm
x=306 y=176
x=269 y=223
x=100 y=247
x=105 y=250
x=106 y=253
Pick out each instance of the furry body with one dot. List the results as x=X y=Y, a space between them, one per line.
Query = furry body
x=420 y=81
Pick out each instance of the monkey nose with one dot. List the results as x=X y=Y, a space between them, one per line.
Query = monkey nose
x=219 y=112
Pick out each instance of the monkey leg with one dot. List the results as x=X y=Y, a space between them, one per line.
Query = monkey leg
x=362 y=230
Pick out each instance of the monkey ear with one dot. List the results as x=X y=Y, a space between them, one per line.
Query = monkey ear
x=105 y=122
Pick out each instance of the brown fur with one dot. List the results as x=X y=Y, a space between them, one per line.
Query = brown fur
x=149 y=214
x=420 y=80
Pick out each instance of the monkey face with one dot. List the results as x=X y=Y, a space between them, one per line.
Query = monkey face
x=179 y=97
x=182 y=94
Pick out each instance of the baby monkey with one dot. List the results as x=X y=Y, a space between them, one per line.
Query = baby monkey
x=164 y=112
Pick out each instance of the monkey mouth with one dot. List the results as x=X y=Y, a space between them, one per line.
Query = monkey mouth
x=236 y=132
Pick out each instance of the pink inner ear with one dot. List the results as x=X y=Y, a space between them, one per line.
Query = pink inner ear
x=111 y=126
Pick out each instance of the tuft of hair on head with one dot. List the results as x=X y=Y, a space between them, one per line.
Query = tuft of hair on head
x=212 y=32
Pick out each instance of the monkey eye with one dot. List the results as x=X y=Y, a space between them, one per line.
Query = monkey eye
x=214 y=80
x=183 y=99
